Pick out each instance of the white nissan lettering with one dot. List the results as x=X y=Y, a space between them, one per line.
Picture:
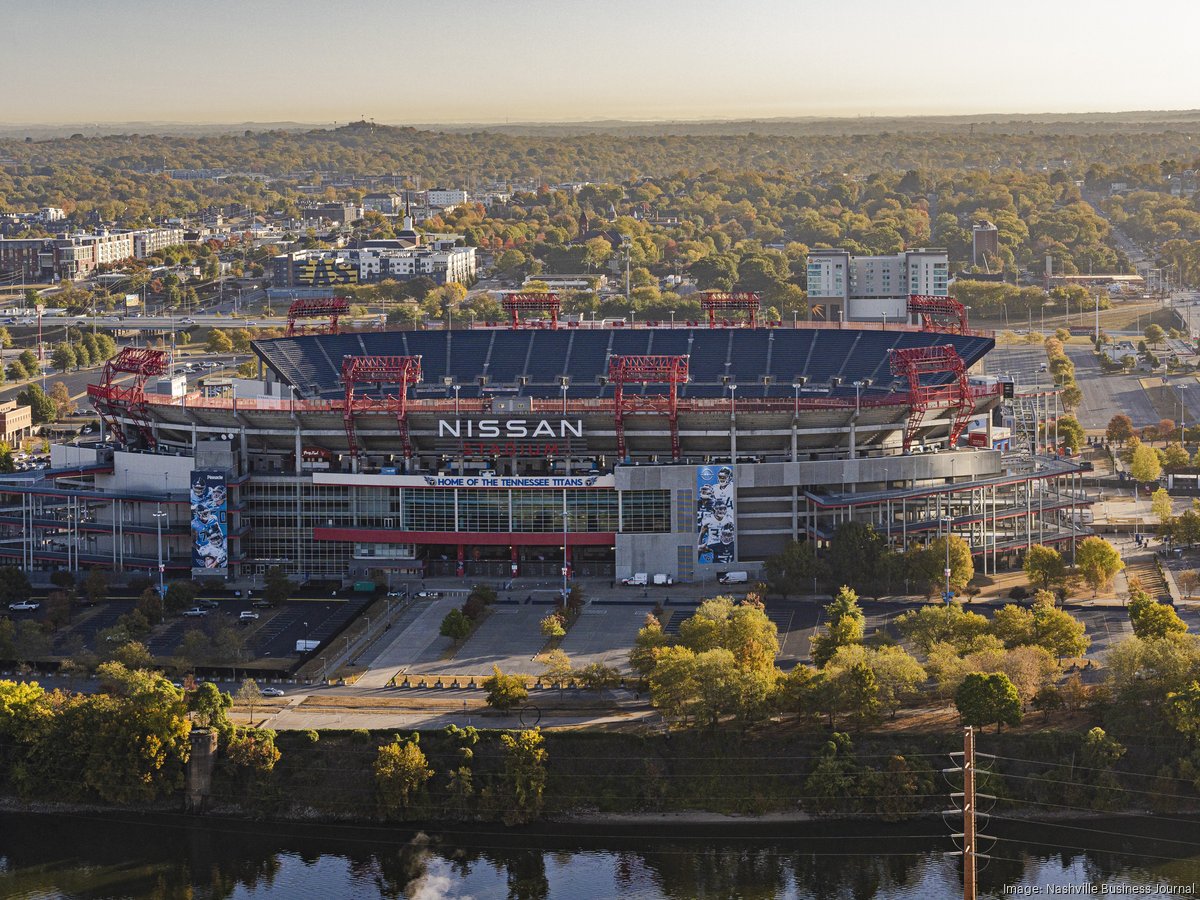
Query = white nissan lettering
x=513 y=428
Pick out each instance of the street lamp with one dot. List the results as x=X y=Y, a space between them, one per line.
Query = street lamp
x=457 y=387
x=858 y=386
x=732 y=400
x=158 y=520
x=1182 y=411
x=672 y=318
x=565 y=387
x=796 y=387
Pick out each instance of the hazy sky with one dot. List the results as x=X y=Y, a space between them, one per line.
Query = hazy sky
x=495 y=60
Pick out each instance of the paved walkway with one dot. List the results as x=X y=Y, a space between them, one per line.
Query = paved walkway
x=416 y=639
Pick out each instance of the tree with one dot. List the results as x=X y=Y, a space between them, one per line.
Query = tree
x=96 y=584
x=1160 y=505
x=597 y=677
x=61 y=397
x=1154 y=334
x=552 y=626
x=14 y=585
x=150 y=606
x=180 y=595
x=854 y=556
x=1120 y=429
x=1070 y=434
x=1058 y=631
x=792 y=569
x=897 y=675
x=401 y=770
x=211 y=705
x=946 y=623
x=558 y=669
x=982 y=699
x=134 y=655
x=41 y=407
x=277 y=587
x=7 y=463
x=505 y=691
x=525 y=759
x=249 y=694
x=650 y=638
x=1188 y=581
x=219 y=342
x=1144 y=465
x=29 y=362
x=846 y=626
x=1153 y=620
x=455 y=625
x=63 y=358
x=1098 y=561
x=962 y=567
x=1012 y=625
x=1044 y=566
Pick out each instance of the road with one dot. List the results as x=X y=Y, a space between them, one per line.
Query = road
x=1104 y=396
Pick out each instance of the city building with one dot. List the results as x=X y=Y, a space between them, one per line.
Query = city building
x=441 y=263
x=500 y=451
x=444 y=198
x=389 y=204
x=149 y=241
x=75 y=256
x=16 y=422
x=845 y=287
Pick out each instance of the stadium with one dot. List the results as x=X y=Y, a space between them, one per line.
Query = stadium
x=523 y=448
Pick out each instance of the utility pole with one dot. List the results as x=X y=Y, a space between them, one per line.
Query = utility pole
x=970 y=835
x=969 y=848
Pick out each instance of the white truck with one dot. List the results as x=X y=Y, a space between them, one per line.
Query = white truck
x=307 y=646
x=734 y=577
x=663 y=580
x=637 y=579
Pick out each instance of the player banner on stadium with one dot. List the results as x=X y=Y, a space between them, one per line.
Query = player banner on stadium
x=716 y=521
x=210 y=529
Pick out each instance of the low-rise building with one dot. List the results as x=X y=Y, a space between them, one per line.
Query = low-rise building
x=16 y=422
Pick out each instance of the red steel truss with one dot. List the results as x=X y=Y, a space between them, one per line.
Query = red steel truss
x=669 y=370
x=399 y=370
x=142 y=363
x=912 y=363
x=938 y=313
x=514 y=303
x=331 y=308
x=713 y=301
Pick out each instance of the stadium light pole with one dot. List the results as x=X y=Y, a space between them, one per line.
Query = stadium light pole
x=858 y=386
x=732 y=400
x=796 y=408
x=672 y=318
x=564 y=390
x=457 y=387
x=1182 y=412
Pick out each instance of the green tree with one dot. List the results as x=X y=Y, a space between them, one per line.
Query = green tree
x=277 y=587
x=1154 y=334
x=982 y=699
x=505 y=691
x=1044 y=566
x=846 y=625
x=218 y=341
x=7 y=463
x=946 y=623
x=1070 y=434
x=793 y=569
x=1144 y=465
x=650 y=638
x=133 y=655
x=14 y=585
x=63 y=358
x=401 y=770
x=41 y=407
x=962 y=567
x=1160 y=505
x=558 y=669
x=210 y=706
x=1153 y=620
x=855 y=556
x=180 y=595
x=525 y=759
x=455 y=625
x=1098 y=561
x=1058 y=631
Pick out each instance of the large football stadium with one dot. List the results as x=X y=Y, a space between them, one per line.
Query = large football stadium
x=523 y=448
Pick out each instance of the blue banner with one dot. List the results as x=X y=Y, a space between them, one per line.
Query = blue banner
x=210 y=529
x=716 y=517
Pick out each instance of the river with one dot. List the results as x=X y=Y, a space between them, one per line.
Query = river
x=163 y=857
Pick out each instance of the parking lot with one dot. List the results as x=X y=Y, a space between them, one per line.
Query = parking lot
x=508 y=638
x=604 y=634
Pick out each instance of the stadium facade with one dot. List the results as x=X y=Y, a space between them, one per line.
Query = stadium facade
x=515 y=450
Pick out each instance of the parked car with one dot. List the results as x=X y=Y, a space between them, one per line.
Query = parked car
x=208 y=604
x=261 y=604
x=428 y=595
x=247 y=616
x=195 y=612
x=24 y=605
x=271 y=692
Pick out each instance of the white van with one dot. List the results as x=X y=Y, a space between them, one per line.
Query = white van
x=638 y=579
x=660 y=579
x=734 y=578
